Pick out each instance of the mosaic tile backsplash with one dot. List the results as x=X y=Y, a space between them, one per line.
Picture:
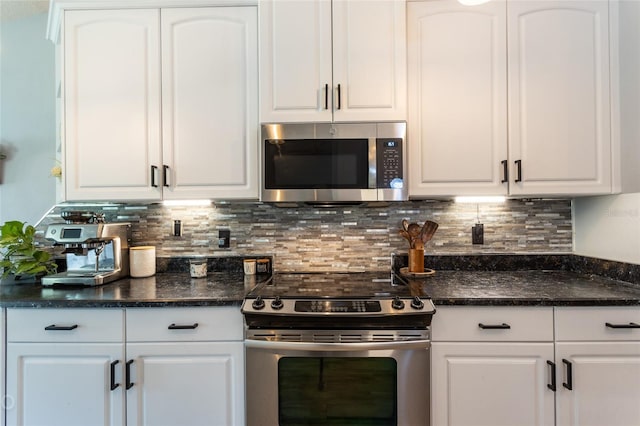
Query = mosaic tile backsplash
x=354 y=238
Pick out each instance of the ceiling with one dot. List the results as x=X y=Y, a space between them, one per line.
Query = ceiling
x=15 y=9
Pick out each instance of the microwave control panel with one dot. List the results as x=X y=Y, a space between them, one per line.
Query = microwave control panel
x=389 y=163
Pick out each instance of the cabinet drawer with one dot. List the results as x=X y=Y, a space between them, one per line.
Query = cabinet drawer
x=492 y=324
x=598 y=323
x=65 y=325
x=184 y=324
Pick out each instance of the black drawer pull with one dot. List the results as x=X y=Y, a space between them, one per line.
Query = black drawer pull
x=54 y=327
x=502 y=326
x=505 y=171
x=154 y=170
x=552 y=385
x=127 y=376
x=326 y=96
x=630 y=325
x=183 y=327
x=114 y=385
x=569 y=383
x=518 y=171
x=165 y=176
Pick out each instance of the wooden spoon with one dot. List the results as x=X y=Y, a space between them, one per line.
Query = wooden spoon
x=428 y=229
x=414 y=233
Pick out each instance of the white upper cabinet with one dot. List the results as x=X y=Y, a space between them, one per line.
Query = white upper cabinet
x=509 y=98
x=559 y=116
x=457 y=124
x=161 y=103
x=339 y=60
x=111 y=104
x=209 y=102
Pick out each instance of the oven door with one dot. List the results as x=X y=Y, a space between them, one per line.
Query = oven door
x=299 y=383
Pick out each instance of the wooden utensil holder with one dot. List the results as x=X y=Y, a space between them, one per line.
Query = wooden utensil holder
x=416 y=260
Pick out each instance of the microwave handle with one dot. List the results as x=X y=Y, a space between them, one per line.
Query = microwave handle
x=337 y=347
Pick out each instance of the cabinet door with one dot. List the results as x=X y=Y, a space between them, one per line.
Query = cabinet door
x=295 y=61
x=369 y=60
x=186 y=384
x=111 y=104
x=559 y=109
x=491 y=384
x=457 y=98
x=605 y=382
x=64 y=384
x=210 y=102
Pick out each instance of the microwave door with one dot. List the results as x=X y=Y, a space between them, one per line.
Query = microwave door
x=319 y=169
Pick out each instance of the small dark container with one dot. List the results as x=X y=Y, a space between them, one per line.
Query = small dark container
x=263 y=266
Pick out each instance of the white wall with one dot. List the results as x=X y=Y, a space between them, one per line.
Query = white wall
x=608 y=227
x=27 y=118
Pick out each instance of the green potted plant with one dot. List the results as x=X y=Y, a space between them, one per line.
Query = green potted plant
x=21 y=260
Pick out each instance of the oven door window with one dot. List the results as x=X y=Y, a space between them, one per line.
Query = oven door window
x=337 y=391
x=316 y=164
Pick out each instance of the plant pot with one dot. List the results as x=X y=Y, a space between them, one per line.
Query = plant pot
x=19 y=279
x=416 y=260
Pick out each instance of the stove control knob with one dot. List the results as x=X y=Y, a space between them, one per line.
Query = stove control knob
x=397 y=303
x=258 y=303
x=277 y=303
x=416 y=303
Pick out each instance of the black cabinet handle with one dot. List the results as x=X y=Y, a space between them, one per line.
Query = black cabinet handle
x=54 y=327
x=505 y=171
x=165 y=174
x=154 y=171
x=114 y=385
x=502 y=326
x=326 y=96
x=127 y=375
x=183 y=327
x=569 y=383
x=339 y=97
x=630 y=325
x=552 y=385
x=519 y=170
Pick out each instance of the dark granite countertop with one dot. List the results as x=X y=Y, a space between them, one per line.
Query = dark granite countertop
x=162 y=289
x=558 y=280
x=541 y=288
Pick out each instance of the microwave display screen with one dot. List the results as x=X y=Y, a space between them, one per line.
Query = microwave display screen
x=316 y=163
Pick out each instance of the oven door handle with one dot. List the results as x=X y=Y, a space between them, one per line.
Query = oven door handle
x=343 y=347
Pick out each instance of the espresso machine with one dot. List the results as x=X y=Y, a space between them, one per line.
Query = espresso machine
x=96 y=253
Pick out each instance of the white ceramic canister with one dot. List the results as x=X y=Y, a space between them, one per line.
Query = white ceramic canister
x=142 y=261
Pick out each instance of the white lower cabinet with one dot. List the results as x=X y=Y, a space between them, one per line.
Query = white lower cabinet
x=63 y=367
x=598 y=358
x=490 y=366
x=177 y=375
x=511 y=366
x=177 y=366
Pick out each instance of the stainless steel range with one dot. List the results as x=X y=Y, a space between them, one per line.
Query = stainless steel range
x=337 y=349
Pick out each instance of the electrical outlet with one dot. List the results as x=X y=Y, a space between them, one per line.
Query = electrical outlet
x=176 y=229
x=224 y=238
x=477 y=234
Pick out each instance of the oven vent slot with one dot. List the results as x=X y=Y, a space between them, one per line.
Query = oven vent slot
x=383 y=338
x=290 y=337
x=325 y=338
x=351 y=338
x=264 y=336
x=414 y=336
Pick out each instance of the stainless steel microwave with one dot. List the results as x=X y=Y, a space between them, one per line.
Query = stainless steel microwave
x=333 y=163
